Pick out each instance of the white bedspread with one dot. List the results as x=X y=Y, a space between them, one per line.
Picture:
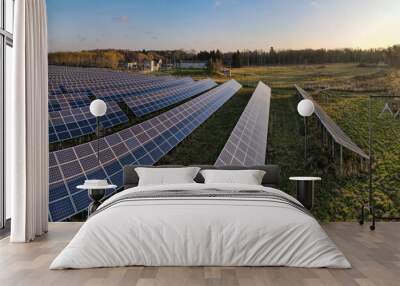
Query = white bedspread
x=211 y=231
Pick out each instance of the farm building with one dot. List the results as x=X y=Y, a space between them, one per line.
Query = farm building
x=152 y=66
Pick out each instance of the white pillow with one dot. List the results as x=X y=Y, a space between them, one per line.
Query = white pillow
x=166 y=176
x=244 y=177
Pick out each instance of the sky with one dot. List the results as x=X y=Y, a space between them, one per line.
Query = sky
x=227 y=25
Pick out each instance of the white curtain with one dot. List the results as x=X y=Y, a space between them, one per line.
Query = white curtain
x=26 y=124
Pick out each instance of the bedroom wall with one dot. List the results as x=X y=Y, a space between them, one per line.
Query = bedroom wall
x=110 y=50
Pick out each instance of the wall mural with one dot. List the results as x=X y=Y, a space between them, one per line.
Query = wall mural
x=178 y=92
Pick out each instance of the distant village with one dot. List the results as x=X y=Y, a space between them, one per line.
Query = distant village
x=145 y=61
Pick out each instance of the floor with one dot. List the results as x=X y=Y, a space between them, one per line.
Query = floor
x=375 y=257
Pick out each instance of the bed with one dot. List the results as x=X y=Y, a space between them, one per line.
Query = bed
x=199 y=224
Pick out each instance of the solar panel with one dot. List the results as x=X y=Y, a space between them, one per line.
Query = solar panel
x=67 y=101
x=144 y=143
x=73 y=123
x=247 y=143
x=72 y=87
x=333 y=129
x=74 y=79
x=119 y=94
x=142 y=105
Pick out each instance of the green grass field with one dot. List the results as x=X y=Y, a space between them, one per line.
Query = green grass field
x=206 y=142
x=342 y=90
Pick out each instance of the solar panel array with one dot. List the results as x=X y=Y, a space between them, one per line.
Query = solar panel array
x=144 y=143
x=141 y=105
x=68 y=101
x=71 y=87
x=74 y=79
x=69 y=123
x=120 y=93
x=247 y=143
x=72 y=123
x=333 y=129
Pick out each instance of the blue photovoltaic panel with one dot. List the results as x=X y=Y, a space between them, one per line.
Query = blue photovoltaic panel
x=247 y=144
x=73 y=123
x=71 y=87
x=144 y=143
x=75 y=79
x=68 y=101
x=121 y=93
x=142 y=105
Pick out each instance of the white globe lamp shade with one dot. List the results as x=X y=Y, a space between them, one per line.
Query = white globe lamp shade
x=305 y=108
x=98 y=107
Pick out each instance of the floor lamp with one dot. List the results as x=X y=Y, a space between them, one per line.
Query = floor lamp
x=98 y=108
x=370 y=206
x=96 y=187
x=305 y=108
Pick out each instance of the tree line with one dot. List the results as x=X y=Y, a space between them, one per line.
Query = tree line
x=217 y=58
x=96 y=58
x=390 y=56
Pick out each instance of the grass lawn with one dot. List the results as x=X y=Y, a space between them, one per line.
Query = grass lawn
x=342 y=90
x=206 y=142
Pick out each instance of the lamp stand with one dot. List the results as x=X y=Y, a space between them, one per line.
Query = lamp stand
x=371 y=206
x=305 y=140
x=98 y=135
x=371 y=199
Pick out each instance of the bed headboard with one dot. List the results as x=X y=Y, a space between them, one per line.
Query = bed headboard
x=271 y=178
